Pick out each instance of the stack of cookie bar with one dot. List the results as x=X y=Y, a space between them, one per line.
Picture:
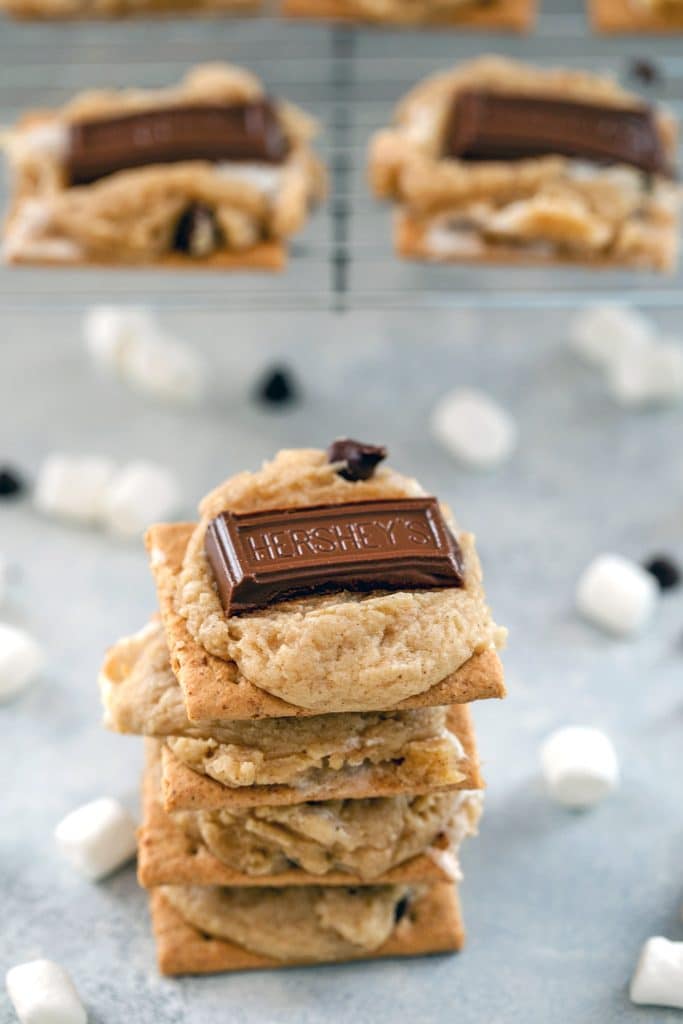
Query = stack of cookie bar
x=311 y=765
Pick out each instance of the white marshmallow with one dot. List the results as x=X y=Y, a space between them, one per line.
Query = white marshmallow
x=474 y=428
x=73 y=487
x=652 y=375
x=579 y=766
x=165 y=369
x=21 y=660
x=616 y=594
x=97 y=838
x=603 y=334
x=140 y=493
x=43 y=993
x=658 y=977
x=111 y=331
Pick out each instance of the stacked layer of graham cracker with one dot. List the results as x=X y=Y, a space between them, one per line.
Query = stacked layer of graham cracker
x=279 y=833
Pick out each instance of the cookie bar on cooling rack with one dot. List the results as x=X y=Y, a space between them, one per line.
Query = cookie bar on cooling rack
x=209 y=173
x=498 y=162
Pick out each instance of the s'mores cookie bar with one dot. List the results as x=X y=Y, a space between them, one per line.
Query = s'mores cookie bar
x=46 y=10
x=498 y=15
x=636 y=16
x=204 y=929
x=496 y=161
x=209 y=173
x=313 y=587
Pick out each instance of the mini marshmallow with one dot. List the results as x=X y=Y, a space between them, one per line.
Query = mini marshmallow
x=141 y=493
x=21 y=660
x=603 y=334
x=658 y=977
x=73 y=487
x=43 y=993
x=616 y=594
x=97 y=838
x=474 y=428
x=165 y=369
x=649 y=376
x=111 y=331
x=579 y=766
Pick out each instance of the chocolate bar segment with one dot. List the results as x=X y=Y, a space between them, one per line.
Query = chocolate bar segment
x=262 y=557
x=495 y=126
x=237 y=131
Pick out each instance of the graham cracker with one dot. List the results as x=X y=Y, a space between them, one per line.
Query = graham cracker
x=433 y=925
x=167 y=856
x=614 y=17
x=501 y=15
x=271 y=256
x=410 y=243
x=186 y=790
x=213 y=690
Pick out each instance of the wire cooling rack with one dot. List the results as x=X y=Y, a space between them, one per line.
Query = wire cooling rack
x=350 y=79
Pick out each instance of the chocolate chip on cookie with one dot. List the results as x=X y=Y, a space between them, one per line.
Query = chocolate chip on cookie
x=401 y=909
x=197 y=232
x=360 y=459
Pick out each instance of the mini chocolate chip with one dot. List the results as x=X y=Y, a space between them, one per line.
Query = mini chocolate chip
x=197 y=232
x=665 y=571
x=11 y=483
x=645 y=71
x=277 y=387
x=361 y=459
x=401 y=909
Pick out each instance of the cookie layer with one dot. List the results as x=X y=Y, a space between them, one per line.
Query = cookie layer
x=432 y=924
x=630 y=17
x=173 y=849
x=185 y=789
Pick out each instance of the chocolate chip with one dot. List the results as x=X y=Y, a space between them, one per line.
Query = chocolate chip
x=645 y=71
x=11 y=483
x=197 y=232
x=665 y=571
x=361 y=459
x=401 y=909
x=277 y=387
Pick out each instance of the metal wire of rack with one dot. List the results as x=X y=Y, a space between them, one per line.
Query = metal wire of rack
x=350 y=79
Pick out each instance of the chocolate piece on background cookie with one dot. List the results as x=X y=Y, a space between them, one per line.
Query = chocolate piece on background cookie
x=210 y=173
x=432 y=925
x=483 y=168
